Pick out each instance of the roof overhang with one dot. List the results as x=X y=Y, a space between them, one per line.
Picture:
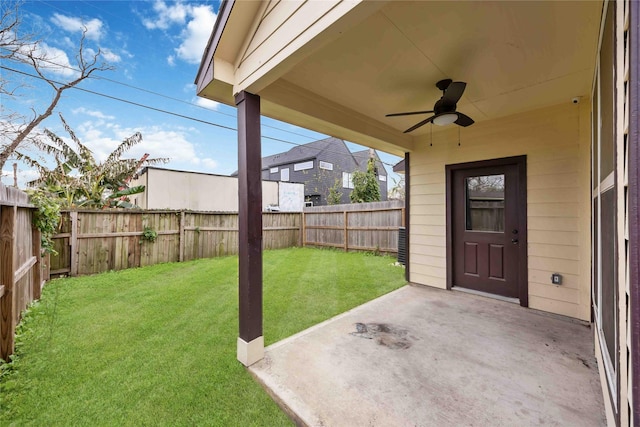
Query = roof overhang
x=338 y=67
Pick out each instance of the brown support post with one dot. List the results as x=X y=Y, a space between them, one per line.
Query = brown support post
x=7 y=271
x=407 y=208
x=250 y=341
x=634 y=206
x=36 y=284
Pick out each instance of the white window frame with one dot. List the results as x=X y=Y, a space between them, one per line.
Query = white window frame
x=325 y=165
x=303 y=166
x=284 y=174
x=274 y=170
x=347 y=180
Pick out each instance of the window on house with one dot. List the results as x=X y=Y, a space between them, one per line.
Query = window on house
x=284 y=174
x=605 y=209
x=303 y=166
x=383 y=178
x=326 y=165
x=273 y=170
x=347 y=181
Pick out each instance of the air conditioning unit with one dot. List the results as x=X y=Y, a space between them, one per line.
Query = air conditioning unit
x=402 y=246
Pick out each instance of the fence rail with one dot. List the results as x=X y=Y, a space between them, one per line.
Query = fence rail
x=22 y=268
x=358 y=227
x=95 y=241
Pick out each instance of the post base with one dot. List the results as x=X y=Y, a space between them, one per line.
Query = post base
x=250 y=352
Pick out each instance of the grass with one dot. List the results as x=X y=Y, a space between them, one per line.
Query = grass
x=156 y=345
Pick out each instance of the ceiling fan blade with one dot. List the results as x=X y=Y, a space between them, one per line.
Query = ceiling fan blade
x=417 y=125
x=409 y=113
x=454 y=92
x=464 y=120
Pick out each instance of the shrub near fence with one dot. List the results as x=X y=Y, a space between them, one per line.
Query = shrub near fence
x=22 y=268
x=95 y=241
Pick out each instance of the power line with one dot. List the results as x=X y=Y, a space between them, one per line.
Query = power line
x=161 y=95
x=148 y=107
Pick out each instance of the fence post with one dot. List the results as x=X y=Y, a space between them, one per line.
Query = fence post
x=36 y=281
x=346 y=231
x=46 y=267
x=181 y=237
x=303 y=237
x=73 y=241
x=7 y=271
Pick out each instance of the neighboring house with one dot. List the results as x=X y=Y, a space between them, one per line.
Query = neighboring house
x=553 y=88
x=319 y=165
x=174 y=189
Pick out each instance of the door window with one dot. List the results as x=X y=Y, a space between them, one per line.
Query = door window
x=485 y=203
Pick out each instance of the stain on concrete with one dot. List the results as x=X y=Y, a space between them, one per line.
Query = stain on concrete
x=384 y=334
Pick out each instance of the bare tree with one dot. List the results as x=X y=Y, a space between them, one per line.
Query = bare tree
x=23 y=50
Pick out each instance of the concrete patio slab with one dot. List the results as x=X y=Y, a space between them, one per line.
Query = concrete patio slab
x=427 y=357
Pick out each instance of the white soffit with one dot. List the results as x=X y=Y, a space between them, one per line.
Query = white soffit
x=514 y=56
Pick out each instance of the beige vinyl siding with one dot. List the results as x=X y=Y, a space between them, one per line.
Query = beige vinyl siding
x=556 y=143
x=284 y=31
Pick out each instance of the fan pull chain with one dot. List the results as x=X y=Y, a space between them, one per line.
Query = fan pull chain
x=431 y=135
x=458 y=136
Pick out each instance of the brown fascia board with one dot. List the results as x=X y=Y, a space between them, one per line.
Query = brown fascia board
x=205 y=71
x=399 y=167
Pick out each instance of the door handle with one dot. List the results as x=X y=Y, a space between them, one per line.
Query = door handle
x=514 y=241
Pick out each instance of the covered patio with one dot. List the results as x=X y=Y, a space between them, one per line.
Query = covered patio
x=518 y=126
x=425 y=357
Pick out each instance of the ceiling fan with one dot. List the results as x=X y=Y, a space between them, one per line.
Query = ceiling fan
x=444 y=109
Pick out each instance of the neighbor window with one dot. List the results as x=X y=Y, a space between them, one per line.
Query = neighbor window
x=273 y=170
x=347 y=181
x=326 y=165
x=383 y=178
x=303 y=166
x=284 y=174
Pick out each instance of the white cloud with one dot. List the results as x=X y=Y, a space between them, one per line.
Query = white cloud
x=55 y=60
x=103 y=137
x=171 y=60
x=110 y=56
x=92 y=113
x=93 y=27
x=207 y=103
x=209 y=163
x=166 y=15
x=196 y=35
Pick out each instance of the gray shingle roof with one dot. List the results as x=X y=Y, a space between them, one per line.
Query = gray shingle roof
x=300 y=152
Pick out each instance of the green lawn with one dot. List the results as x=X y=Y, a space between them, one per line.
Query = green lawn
x=156 y=345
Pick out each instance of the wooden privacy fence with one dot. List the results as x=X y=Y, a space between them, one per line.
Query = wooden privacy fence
x=357 y=227
x=95 y=241
x=22 y=268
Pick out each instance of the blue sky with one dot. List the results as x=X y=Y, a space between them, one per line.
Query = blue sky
x=155 y=47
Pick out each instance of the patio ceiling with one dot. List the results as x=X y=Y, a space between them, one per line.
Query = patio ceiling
x=387 y=57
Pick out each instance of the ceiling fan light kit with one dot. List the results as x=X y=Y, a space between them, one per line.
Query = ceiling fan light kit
x=444 y=109
x=445 y=119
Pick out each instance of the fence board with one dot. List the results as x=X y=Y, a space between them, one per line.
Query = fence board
x=356 y=227
x=21 y=266
x=112 y=240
